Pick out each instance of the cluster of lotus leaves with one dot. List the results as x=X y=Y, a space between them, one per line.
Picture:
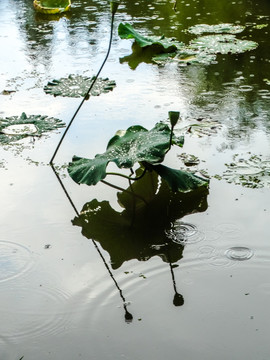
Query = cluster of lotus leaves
x=78 y=85
x=136 y=145
x=220 y=39
x=15 y=128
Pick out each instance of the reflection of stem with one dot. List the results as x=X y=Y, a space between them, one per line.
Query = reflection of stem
x=86 y=96
x=178 y=299
x=124 y=190
x=128 y=316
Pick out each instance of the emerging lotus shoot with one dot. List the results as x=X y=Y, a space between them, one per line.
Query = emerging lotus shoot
x=174 y=117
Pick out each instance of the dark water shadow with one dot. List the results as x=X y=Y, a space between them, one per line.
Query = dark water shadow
x=142 y=230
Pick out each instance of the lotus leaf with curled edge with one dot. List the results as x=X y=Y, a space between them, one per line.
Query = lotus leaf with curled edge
x=77 y=86
x=136 y=144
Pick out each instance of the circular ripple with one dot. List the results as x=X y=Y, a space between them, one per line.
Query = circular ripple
x=15 y=260
x=239 y=253
x=185 y=233
x=33 y=312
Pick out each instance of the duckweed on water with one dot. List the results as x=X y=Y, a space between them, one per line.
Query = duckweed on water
x=77 y=86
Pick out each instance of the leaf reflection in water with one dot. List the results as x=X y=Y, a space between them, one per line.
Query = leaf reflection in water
x=140 y=230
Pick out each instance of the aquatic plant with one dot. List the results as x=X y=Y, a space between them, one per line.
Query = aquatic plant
x=253 y=172
x=203 y=50
x=136 y=144
x=77 y=86
x=15 y=128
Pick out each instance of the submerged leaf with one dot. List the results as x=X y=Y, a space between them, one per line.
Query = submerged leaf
x=77 y=86
x=136 y=144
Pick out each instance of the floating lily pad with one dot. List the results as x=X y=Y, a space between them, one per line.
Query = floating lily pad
x=202 y=127
x=189 y=159
x=77 y=86
x=222 y=44
x=15 y=128
x=217 y=29
x=202 y=50
x=253 y=172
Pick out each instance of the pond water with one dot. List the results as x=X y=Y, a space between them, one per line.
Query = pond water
x=66 y=296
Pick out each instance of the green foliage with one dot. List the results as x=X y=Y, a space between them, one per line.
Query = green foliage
x=15 y=128
x=202 y=50
x=77 y=86
x=178 y=180
x=222 y=44
x=136 y=144
x=162 y=44
x=218 y=29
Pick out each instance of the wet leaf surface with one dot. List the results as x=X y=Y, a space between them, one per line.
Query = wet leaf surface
x=136 y=144
x=217 y=29
x=15 y=128
x=77 y=86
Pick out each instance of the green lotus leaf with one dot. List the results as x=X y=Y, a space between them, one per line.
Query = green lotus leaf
x=136 y=144
x=217 y=29
x=162 y=44
x=179 y=180
x=222 y=44
x=77 y=86
x=15 y=128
